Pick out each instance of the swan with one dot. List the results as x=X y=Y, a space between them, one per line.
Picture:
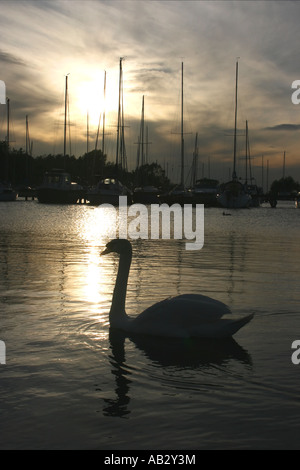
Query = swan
x=183 y=316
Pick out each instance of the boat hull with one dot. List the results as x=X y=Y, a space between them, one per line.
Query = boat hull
x=230 y=201
x=234 y=196
x=113 y=199
x=59 y=196
x=8 y=195
x=143 y=196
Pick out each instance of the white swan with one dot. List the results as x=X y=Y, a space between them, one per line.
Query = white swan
x=183 y=316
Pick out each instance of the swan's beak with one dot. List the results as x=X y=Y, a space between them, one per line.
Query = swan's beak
x=105 y=252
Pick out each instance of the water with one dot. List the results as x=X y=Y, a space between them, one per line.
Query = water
x=69 y=383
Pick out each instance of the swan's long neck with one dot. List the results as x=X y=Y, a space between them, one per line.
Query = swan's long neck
x=117 y=315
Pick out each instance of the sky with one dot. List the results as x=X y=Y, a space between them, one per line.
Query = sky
x=42 y=42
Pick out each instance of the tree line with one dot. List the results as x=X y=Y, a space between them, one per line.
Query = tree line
x=21 y=169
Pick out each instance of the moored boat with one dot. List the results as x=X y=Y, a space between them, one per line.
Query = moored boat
x=57 y=188
x=205 y=192
x=7 y=193
x=233 y=194
x=108 y=191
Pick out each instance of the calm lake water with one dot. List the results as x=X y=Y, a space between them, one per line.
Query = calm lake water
x=70 y=383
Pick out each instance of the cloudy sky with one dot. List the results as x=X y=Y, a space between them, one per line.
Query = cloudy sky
x=42 y=41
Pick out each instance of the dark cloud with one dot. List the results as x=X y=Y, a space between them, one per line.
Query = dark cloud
x=10 y=59
x=283 y=127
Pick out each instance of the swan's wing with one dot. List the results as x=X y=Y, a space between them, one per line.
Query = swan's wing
x=188 y=316
x=217 y=306
x=183 y=310
x=187 y=305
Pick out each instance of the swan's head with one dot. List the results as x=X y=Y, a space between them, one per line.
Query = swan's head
x=119 y=245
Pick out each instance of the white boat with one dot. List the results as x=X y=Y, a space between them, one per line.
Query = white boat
x=7 y=193
x=107 y=191
x=233 y=194
x=57 y=188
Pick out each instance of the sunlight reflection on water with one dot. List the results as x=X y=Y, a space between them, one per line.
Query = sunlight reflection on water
x=66 y=371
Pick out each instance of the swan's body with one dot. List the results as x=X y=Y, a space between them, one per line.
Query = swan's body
x=188 y=315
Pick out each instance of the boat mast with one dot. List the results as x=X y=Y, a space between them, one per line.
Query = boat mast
x=103 y=119
x=103 y=130
x=7 y=142
x=246 y=177
x=87 y=131
x=119 y=114
x=7 y=133
x=121 y=151
x=65 y=122
x=142 y=134
x=123 y=148
x=234 y=177
x=195 y=162
x=28 y=148
x=182 y=141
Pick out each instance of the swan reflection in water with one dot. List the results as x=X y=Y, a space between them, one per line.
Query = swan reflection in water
x=188 y=331
x=179 y=353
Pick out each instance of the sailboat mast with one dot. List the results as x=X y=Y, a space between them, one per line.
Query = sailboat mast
x=119 y=114
x=235 y=122
x=87 y=131
x=103 y=130
x=142 y=134
x=246 y=176
x=7 y=133
x=65 y=123
x=182 y=141
x=27 y=148
x=7 y=143
x=26 y=136
x=147 y=143
x=195 y=161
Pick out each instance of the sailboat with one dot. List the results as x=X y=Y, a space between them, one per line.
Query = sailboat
x=7 y=193
x=204 y=190
x=143 y=193
x=255 y=192
x=57 y=187
x=108 y=190
x=233 y=194
x=179 y=194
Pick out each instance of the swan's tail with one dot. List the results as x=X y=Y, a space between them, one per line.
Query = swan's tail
x=226 y=327
x=232 y=326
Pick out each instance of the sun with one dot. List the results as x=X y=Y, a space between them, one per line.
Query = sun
x=95 y=97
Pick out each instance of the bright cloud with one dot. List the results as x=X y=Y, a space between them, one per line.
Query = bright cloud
x=42 y=41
